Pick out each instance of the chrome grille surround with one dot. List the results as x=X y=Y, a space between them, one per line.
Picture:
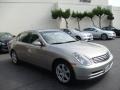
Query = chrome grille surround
x=101 y=58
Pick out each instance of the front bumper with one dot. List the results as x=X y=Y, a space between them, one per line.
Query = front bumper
x=4 y=48
x=93 y=71
x=111 y=36
x=87 y=38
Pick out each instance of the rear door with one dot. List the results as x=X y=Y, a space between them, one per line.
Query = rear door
x=22 y=44
x=92 y=30
x=38 y=55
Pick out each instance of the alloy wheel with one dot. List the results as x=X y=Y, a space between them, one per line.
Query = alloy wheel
x=14 y=58
x=63 y=73
x=104 y=37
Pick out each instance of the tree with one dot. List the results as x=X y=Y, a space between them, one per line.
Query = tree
x=98 y=12
x=109 y=14
x=91 y=16
x=65 y=15
x=106 y=11
x=110 y=17
x=79 y=16
x=57 y=13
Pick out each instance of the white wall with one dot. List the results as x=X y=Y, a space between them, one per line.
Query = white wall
x=20 y=15
x=17 y=17
x=95 y=2
x=116 y=21
x=100 y=2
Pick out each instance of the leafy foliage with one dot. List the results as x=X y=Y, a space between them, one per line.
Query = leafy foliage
x=66 y=14
x=56 y=13
x=98 y=11
x=73 y=15
x=91 y=16
x=110 y=17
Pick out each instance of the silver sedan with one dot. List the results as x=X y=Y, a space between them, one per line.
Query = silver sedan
x=99 y=33
x=85 y=36
x=57 y=51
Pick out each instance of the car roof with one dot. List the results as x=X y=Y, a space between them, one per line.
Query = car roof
x=45 y=30
x=42 y=30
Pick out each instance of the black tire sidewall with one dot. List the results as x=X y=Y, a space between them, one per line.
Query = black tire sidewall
x=16 y=57
x=78 y=37
x=104 y=36
x=71 y=72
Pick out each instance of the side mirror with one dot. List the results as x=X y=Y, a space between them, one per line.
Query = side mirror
x=69 y=33
x=14 y=36
x=37 y=43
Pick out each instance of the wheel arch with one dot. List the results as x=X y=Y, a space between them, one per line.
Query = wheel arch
x=78 y=37
x=11 y=51
x=104 y=34
x=63 y=60
x=57 y=60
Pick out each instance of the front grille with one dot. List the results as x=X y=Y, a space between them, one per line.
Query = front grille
x=89 y=35
x=101 y=58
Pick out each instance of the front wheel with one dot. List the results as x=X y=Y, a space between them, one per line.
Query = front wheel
x=78 y=37
x=104 y=37
x=14 y=57
x=63 y=72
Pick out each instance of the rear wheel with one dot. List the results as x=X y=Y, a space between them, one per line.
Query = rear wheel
x=14 y=57
x=78 y=37
x=104 y=37
x=63 y=72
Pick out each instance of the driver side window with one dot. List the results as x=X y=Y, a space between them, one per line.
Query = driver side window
x=67 y=31
x=34 y=38
x=28 y=37
x=92 y=29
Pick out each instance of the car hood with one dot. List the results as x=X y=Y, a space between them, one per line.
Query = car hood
x=85 y=33
x=108 y=31
x=84 y=48
x=5 y=40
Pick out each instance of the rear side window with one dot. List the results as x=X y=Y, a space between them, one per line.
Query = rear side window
x=67 y=31
x=25 y=37
x=89 y=29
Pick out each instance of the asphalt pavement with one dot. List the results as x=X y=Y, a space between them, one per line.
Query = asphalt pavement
x=29 y=77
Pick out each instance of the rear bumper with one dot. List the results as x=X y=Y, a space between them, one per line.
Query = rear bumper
x=94 y=71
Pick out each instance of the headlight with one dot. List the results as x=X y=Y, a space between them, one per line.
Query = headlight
x=110 y=33
x=2 y=43
x=82 y=59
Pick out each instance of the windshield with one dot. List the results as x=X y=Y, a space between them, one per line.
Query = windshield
x=5 y=36
x=76 y=31
x=57 y=37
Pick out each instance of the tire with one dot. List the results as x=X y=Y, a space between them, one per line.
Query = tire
x=14 y=58
x=104 y=37
x=78 y=37
x=63 y=72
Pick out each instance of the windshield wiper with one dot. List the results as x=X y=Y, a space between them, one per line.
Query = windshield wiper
x=63 y=42
x=69 y=41
x=58 y=43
